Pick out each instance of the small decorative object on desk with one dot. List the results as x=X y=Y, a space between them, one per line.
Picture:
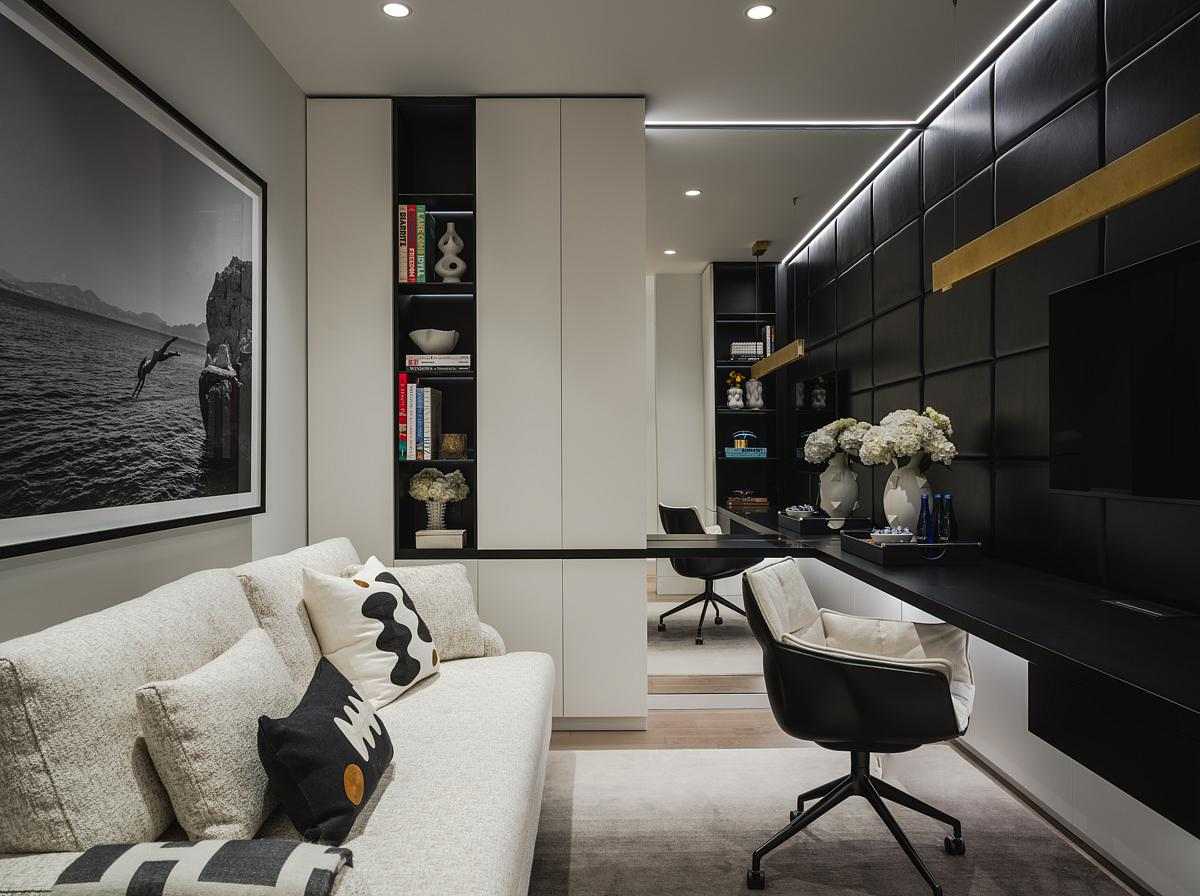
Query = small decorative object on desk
x=801 y=511
x=891 y=535
x=910 y=442
x=754 y=394
x=450 y=267
x=435 y=342
x=438 y=489
x=838 y=443
x=907 y=552
x=453 y=447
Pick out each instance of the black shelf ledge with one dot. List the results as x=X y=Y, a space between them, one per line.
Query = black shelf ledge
x=436 y=289
x=441 y=461
x=760 y=460
x=750 y=412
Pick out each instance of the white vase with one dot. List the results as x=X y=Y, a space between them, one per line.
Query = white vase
x=450 y=267
x=754 y=396
x=733 y=398
x=839 y=490
x=902 y=493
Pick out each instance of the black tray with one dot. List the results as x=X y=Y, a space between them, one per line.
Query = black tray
x=819 y=525
x=910 y=553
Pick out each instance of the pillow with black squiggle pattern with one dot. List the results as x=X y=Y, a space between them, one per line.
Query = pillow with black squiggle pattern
x=372 y=633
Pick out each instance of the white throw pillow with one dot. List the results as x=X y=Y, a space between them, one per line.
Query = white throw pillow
x=202 y=732
x=443 y=596
x=372 y=633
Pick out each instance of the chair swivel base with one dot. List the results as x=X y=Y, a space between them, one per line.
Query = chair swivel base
x=860 y=782
x=708 y=597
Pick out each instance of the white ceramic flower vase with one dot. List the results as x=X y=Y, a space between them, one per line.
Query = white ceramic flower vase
x=450 y=267
x=733 y=398
x=754 y=394
x=902 y=493
x=839 y=490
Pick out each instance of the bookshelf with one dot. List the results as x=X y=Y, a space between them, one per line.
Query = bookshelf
x=434 y=167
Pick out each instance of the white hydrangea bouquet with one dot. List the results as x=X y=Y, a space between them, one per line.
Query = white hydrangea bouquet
x=910 y=442
x=837 y=443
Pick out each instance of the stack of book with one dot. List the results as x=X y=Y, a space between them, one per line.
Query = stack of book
x=434 y=364
x=745 y=351
x=747 y=502
x=418 y=419
x=768 y=335
x=413 y=241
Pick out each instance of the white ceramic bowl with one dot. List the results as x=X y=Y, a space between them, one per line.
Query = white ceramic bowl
x=891 y=537
x=435 y=342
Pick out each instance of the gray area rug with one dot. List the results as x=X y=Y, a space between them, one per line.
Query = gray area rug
x=728 y=649
x=628 y=822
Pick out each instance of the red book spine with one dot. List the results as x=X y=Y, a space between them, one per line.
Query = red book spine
x=412 y=244
x=402 y=414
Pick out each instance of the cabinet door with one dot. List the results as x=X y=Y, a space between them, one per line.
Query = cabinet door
x=350 y=323
x=604 y=401
x=604 y=638
x=523 y=600
x=519 y=318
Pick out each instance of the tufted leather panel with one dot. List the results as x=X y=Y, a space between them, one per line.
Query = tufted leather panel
x=854 y=357
x=1023 y=405
x=1046 y=68
x=1130 y=25
x=897 y=268
x=822 y=257
x=898 y=344
x=896 y=196
x=966 y=395
x=854 y=295
x=958 y=324
x=958 y=143
x=854 y=230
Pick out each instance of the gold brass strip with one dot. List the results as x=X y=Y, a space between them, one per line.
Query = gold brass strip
x=1157 y=163
x=790 y=353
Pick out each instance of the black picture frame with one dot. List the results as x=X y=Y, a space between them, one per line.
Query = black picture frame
x=58 y=28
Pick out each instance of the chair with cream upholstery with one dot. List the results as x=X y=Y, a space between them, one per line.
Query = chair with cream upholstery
x=860 y=685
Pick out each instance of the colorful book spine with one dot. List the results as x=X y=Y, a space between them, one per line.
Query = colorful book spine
x=402 y=414
x=427 y=362
x=427 y=424
x=402 y=244
x=421 y=240
x=410 y=424
x=420 y=427
x=412 y=244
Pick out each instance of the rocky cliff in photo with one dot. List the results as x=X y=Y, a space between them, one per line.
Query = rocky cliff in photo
x=226 y=381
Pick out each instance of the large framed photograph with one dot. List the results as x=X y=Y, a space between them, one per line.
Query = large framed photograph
x=132 y=252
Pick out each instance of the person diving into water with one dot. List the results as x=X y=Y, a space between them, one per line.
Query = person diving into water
x=150 y=362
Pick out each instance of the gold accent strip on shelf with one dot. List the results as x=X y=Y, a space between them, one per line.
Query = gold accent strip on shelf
x=789 y=354
x=1157 y=163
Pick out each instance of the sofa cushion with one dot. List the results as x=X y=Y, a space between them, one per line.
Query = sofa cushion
x=74 y=770
x=372 y=633
x=443 y=596
x=275 y=588
x=458 y=810
x=202 y=728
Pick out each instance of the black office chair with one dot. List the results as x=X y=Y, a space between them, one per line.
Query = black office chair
x=859 y=685
x=686 y=521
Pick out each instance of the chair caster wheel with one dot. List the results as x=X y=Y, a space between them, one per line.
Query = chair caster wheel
x=937 y=890
x=755 y=880
x=719 y=621
x=955 y=846
x=699 y=640
x=662 y=626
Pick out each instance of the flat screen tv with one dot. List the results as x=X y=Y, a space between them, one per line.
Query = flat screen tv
x=1125 y=381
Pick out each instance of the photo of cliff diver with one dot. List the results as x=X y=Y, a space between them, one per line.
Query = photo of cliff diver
x=130 y=334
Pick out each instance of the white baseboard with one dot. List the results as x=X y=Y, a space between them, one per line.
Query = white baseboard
x=602 y=723
x=707 y=701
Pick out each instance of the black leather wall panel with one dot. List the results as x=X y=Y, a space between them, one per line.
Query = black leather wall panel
x=1046 y=68
x=854 y=358
x=822 y=257
x=861 y=406
x=854 y=304
x=822 y=313
x=898 y=343
x=896 y=197
x=958 y=143
x=854 y=230
x=958 y=219
x=1129 y=25
x=1141 y=561
x=970 y=482
x=821 y=361
x=1022 y=411
x=1154 y=92
x=966 y=395
x=1023 y=286
x=1052 y=157
x=896 y=396
x=1059 y=533
x=897 y=268
x=958 y=324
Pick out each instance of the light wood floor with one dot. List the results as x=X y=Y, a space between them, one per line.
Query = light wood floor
x=684 y=729
x=707 y=684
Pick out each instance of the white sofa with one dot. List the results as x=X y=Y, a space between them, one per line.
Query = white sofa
x=456 y=813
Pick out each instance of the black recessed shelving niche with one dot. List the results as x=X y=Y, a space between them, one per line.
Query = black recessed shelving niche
x=434 y=167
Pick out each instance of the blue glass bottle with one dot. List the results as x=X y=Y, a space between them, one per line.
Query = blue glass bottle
x=935 y=517
x=948 y=530
x=926 y=528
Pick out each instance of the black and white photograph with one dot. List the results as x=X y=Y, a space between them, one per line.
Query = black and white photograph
x=130 y=264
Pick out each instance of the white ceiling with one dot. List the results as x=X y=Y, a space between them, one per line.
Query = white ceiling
x=693 y=59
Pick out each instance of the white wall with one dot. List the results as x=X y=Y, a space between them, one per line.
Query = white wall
x=202 y=57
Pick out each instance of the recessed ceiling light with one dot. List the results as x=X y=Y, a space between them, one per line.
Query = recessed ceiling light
x=760 y=11
x=693 y=192
x=668 y=251
x=396 y=10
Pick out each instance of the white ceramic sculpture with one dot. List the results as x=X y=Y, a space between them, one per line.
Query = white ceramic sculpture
x=450 y=267
x=839 y=490
x=733 y=398
x=754 y=394
x=902 y=493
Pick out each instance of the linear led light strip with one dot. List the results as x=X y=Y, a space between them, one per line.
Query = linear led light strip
x=782 y=125
x=922 y=120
